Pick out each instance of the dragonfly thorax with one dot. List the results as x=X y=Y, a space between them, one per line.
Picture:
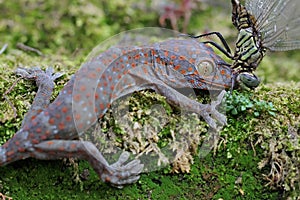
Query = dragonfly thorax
x=249 y=51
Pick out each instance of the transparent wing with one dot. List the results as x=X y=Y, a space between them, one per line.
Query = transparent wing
x=278 y=22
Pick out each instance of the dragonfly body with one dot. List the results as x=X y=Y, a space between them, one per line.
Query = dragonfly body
x=263 y=25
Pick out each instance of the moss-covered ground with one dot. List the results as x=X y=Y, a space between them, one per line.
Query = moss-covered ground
x=258 y=152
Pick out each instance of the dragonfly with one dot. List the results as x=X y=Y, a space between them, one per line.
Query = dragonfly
x=263 y=25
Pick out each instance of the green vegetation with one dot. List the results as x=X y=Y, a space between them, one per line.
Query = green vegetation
x=257 y=155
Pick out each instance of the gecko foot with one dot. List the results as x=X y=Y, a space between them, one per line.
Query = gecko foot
x=119 y=175
x=213 y=113
x=38 y=74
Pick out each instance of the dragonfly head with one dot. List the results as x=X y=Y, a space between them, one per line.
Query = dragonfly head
x=247 y=80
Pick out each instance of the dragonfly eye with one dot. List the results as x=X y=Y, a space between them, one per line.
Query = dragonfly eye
x=248 y=80
x=206 y=67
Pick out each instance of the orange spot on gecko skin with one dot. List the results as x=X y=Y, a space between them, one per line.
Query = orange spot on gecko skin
x=61 y=148
x=112 y=87
x=182 y=58
x=47 y=133
x=43 y=137
x=92 y=75
x=31 y=135
x=9 y=153
x=183 y=71
x=61 y=126
x=166 y=53
x=177 y=67
x=64 y=109
x=49 y=143
x=109 y=78
x=57 y=115
x=102 y=106
x=34 y=123
x=73 y=146
x=133 y=65
x=173 y=57
x=88 y=95
x=77 y=116
x=192 y=60
x=113 y=96
x=107 y=179
x=223 y=72
x=145 y=70
x=80 y=126
x=58 y=103
x=21 y=149
x=38 y=130
x=125 y=71
x=82 y=88
x=77 y=97
x=136 y=57
x=17 y=143
x=68 y=118
x=56 y=136
x=190 y=69
x=35 y=141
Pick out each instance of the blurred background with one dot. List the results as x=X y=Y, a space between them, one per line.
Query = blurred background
x=73 y=27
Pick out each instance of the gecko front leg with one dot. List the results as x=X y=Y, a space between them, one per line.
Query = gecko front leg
x=207 y=111
x=116 y=174
x=45 y=83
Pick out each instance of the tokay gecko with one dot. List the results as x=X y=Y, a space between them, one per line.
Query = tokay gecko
x=48 y=129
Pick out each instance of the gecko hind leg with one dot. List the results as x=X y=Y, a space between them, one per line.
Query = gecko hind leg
x=116 y=174
x=45 y=83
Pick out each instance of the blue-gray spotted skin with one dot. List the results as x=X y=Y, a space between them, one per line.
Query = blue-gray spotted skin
x=183 y=63
x=48 y=133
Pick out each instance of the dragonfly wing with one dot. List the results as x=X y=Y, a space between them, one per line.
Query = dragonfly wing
x=278 y=22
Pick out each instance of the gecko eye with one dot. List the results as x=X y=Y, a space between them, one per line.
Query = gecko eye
x=205 y=67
